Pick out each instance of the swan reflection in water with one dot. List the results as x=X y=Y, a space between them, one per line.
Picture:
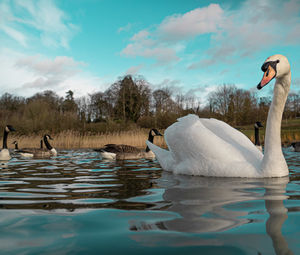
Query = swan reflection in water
x=214 y=205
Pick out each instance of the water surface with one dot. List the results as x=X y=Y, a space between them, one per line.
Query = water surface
x=77 y=203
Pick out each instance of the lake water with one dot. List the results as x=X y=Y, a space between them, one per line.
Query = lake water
x=77 y=203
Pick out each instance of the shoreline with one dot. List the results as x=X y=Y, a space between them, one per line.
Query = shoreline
x=137 y=138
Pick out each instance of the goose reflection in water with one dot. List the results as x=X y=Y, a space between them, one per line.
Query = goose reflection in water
x=209 y=205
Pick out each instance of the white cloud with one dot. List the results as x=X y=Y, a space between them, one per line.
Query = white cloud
x=196 y=22
x=255 y=26
x=173 y=86
x=125 y=28
x=165 y=42
x=15 y=34
x=144 y=46
x=60 y=66
x=25 y=75
x=134 y=69
x=42 y=18
x=239 y=32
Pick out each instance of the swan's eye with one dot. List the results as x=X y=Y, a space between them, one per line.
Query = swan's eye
x=267 y=73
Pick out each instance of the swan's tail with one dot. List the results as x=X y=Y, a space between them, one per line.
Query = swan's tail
x=164 y=157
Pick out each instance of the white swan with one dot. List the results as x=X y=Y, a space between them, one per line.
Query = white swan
x=210 y=147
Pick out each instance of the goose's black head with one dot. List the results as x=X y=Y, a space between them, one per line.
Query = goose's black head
x=47 y=137
x=9 y=128
x=258 y=124
x=155 y=132
x=48 y=145
x=14 y=142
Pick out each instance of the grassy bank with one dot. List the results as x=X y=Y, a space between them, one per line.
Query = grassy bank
x=71 y=140
x=290 y=131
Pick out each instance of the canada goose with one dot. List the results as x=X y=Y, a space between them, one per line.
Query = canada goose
x=4 y=153
x=296 y=146
x=257 y=125
x=209 y=147
x=122 y=151
x=39 y=152
x=17 y=145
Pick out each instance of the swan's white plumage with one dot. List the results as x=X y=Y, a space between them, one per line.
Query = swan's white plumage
x=232 y=153
x=210 y=147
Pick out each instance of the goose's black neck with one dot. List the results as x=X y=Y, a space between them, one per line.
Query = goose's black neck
x=49 y=147
x=16 y=146
x=41 y=146
x=5 y=139
x=150 y=139
x=256 y=133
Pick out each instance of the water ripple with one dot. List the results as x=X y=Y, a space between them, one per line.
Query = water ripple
x=77 y=179
x=60 y=198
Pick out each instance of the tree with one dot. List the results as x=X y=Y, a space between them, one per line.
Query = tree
x=132 y=99
x=162 y=100
x=69 y=104
x=220 y=99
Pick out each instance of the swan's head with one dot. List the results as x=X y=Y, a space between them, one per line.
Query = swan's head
x=275 y=66
x=9 y=128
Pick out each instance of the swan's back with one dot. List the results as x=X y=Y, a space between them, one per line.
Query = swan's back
x=210 y=147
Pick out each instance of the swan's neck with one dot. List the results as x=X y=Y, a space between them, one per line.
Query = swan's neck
x=5 y=139
x=257 y=142
x=150 y=139
x=49 y=147
x=273 y=160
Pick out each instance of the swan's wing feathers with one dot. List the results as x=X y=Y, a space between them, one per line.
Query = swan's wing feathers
x=189 y=138
x=163 y=156
x=232 y=136
x=199 y=144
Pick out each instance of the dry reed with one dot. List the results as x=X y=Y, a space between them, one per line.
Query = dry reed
x=74 y=140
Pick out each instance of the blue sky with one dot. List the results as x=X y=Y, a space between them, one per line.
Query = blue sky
x=191 y=46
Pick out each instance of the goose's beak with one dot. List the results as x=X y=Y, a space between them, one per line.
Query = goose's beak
x=269 y=74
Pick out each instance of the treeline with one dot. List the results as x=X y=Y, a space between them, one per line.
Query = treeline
x=130 y=103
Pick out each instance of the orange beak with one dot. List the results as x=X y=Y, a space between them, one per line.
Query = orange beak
x=268 y=76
